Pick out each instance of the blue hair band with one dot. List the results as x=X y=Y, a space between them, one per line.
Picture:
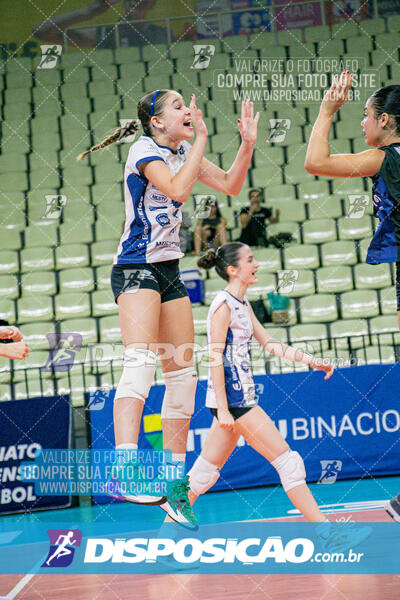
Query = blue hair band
x=152 y=102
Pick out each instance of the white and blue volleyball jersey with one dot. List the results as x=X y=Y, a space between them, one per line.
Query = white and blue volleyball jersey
x=153 y=220
x=385 y=243
x=239 y=383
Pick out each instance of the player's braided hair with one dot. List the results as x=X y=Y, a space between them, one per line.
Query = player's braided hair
x=387 y=100
x=225 y=256
x=129 y=129
x=150 y=105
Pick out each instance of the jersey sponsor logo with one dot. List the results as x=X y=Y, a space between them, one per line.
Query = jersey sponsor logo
x=245 y=365
x=181 y=150
x=158 y=197
x=152 y=208
x=165 y=243
x=163 y=220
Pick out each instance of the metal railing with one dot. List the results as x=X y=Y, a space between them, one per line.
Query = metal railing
x=350 y=350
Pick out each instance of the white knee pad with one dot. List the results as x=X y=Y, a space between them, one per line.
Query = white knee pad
x=180 y=390
x=291 y=470
x=137 y=375
x=202 y=476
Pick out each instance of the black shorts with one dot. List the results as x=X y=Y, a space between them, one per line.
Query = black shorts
x=163 y=277
x=398 y=284
x=236 y=411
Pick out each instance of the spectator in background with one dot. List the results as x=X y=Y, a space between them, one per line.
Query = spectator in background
x=210 y=231
x=185 y=234
x=11 y=344
x=252 y=221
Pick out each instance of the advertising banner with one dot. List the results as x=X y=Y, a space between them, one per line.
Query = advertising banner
x=343 y=428
x=27 y=427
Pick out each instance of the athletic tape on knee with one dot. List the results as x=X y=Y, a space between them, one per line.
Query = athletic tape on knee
x=202 y=476
x=180 y=390
x=291 y=470
x=137 y=375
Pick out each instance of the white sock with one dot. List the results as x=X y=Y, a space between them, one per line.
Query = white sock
x=124 y=452
x=127 y=446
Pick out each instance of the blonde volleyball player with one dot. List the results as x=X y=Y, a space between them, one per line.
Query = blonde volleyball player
x=154 y=307
x=381 y=126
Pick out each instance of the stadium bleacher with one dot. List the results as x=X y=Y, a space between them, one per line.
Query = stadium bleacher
x=54 y=272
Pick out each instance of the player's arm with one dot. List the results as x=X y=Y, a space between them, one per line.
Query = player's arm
x=179 y=186
x=231 y=182
x=282 y=350
x=319 y=161
x=219 y=330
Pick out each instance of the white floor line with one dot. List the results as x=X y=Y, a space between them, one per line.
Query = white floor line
x=26 y=578
x=20 y=585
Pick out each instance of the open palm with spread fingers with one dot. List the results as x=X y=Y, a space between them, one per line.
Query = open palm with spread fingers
x=248 y=122
x=337 y=94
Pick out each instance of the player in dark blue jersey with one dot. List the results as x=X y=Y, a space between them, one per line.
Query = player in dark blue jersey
x=381 y=125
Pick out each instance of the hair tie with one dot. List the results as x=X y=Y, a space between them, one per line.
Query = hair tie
x=152 y=102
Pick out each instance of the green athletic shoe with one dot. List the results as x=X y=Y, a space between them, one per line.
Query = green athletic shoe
x=124 y=484
x=339 y=537
x=177 y=505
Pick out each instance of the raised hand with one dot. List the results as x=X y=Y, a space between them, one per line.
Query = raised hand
x=248 y=123
x=338 y=93
x=197 y=118
x=321 y=364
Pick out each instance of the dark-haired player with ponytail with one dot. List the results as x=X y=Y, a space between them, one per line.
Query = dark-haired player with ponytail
x=381 y=125
x=231 y=324
x=154 y=307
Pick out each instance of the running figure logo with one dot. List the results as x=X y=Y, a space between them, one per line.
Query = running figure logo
x=329 y=470
x=98 y=398
x=278 y=129
x=357 y=205
x=202 y=55
x=124 y=137
x=50 y=56
x=63 y=348
x=62 y=547
x=54 y=206
x=287 y=281
x=133 y=277
x=203 y=204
